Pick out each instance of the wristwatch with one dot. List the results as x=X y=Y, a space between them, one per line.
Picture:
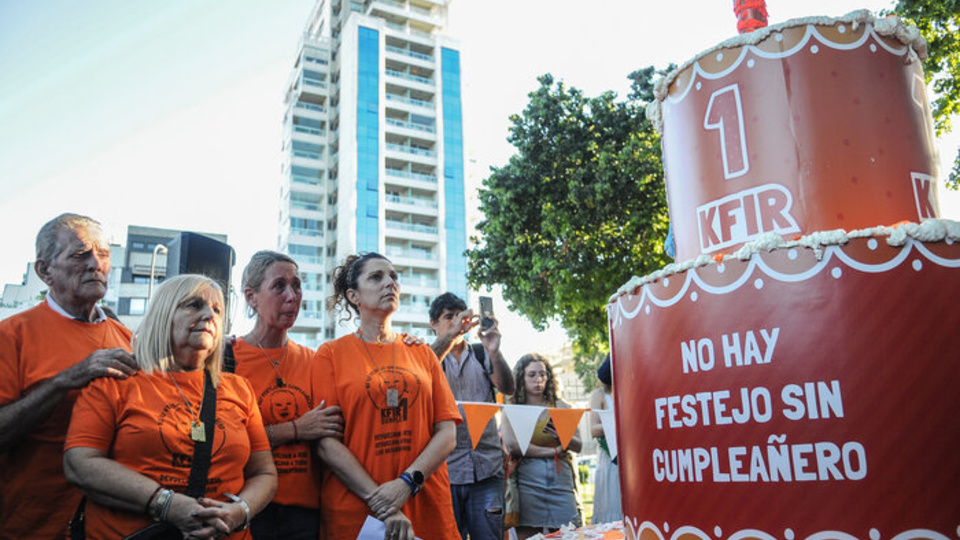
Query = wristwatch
x=413 y=479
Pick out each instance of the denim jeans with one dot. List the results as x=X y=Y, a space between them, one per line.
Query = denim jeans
x=283 y=522
x=478 y=508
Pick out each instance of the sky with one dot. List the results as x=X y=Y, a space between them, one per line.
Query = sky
x=168 y=114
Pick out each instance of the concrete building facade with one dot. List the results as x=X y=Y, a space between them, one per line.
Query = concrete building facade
x=139 y=259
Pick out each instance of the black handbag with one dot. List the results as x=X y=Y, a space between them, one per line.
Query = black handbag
x=196 y=485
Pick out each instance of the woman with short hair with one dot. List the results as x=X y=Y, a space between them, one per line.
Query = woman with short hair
x=131 y=442
x=400 y=417
x=280 y=372
x=546 y=479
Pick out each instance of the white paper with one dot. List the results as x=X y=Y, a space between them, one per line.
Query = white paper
x=373 y=529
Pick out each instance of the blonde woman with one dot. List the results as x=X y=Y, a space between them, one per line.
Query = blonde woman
x=131 y=441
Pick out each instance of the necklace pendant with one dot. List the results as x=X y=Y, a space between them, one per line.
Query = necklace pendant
x=393 y=397
x=280 y=383
x=197 y=431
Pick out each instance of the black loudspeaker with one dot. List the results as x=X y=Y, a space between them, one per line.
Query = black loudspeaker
x=192 y=253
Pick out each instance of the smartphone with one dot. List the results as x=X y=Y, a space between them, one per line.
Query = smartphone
x=486 y=312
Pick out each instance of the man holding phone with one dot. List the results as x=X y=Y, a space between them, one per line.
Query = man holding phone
x=474 y=373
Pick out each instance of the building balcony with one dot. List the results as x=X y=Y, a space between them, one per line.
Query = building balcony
x=308 y=130
x=419 y=282
x=411 y=205
x=307 y=259
x=413 y=309
x=421 y=128
x=410 y=101
x=314 y=83
x=411 y=201
x=399 y=252
x=411 y=150
x=300 y=205
x=420 y=177
x=302 y=182
x=412 y=78
x=307 y=159
x=411 y=54
x=411 y=260
x=309 y=59
x=310 y=107
x=313 y=233
x=309 y=193
x=410 y=227
x=313 y=87
x=308 y=321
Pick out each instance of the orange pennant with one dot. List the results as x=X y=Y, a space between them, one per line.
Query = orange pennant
x=477 y=416
x=566 y=420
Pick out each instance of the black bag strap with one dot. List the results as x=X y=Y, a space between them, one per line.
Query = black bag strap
x=481 y=355
x=200 y=466
x=77 y=526
x=229 y=360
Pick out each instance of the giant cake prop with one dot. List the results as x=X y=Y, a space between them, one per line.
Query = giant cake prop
x=797 y=374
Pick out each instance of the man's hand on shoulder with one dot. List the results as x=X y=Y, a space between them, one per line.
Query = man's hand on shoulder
x=116 y=363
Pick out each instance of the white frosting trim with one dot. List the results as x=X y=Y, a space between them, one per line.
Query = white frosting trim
x=885 y=26
x=930 y=230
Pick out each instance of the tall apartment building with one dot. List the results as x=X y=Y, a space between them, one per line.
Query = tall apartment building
x=373 y=155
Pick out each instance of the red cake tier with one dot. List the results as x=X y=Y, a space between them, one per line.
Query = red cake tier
x=789 y=396
x=809 y=125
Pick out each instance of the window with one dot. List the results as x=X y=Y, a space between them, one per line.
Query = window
x=138 y=306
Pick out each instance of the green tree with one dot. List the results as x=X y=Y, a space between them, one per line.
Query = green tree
x=577 y=211
x=939 y=23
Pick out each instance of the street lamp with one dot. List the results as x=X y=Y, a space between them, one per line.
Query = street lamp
x=153 y=267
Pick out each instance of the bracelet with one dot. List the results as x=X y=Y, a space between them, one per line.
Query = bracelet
x=164 y=499
x=246 y=510
x=296 y=434
x=150 y=499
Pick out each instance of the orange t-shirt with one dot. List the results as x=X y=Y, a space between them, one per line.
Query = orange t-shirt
x=298 y=469
x=385 y=439
x=143 y=423
x=36 y=345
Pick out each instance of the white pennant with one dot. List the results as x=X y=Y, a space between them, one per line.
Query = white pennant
x=609 y=422
x=523 y=420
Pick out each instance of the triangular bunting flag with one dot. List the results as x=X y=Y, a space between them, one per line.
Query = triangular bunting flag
x=477 y=416
x=523 y=419
x=566 y=421
x=609 y=430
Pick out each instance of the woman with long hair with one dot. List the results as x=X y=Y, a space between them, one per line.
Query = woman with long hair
x=131 y=443
x=546 y=480
x=400 y=417
x=280 y=372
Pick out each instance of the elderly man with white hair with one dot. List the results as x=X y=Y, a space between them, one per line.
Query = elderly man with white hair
x=47 y=354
